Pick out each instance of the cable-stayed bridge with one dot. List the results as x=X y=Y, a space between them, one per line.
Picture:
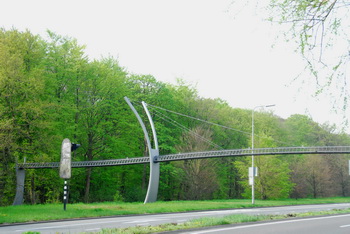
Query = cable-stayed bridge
x=155 y=158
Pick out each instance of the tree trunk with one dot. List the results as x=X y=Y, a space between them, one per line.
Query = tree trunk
x=89 y=169
x=314 y=185
x=87 y=185
x=32 y=190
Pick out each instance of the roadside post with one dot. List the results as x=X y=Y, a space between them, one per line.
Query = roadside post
x=66 y=166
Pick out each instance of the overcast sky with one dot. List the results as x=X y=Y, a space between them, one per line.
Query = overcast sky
x=204 y=42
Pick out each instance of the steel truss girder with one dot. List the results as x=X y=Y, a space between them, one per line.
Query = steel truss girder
x=256 y=152
x=197 y=155
x=80 y=164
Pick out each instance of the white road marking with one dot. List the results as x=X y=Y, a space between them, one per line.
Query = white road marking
x=144 y=221
x=92 y=229
x=228 y=211
x=182 y=220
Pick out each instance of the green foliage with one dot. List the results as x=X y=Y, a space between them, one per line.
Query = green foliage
x=118 y=197
x=23 y=121
x=50 y=90
x=319 y=29
x=171 y=179
x=273 y=180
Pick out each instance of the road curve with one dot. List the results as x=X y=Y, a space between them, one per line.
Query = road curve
x=90 y=225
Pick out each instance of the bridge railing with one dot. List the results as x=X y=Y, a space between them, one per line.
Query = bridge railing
x=198 y=155
x=96 y=163
x=257 y=152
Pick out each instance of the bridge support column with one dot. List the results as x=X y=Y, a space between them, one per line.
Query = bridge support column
x=153 y=183
x=20 y=177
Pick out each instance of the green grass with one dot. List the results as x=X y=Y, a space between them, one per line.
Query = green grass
x=33 y=213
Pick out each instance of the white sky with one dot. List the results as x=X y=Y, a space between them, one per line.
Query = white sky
x=199 y=41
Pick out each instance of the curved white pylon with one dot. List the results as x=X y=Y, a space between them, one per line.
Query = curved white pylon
x=153 y=183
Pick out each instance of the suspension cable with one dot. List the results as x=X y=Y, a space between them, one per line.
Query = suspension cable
x=219 y=125
x=177 y=124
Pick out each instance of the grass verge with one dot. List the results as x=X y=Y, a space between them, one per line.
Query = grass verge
x=209 y=222
x=45 y=212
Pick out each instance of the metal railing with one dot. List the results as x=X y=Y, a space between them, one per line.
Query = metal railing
x=97 y=163
x=197 y=155
x=256 y=152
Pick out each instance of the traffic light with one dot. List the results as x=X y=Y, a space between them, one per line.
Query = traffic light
x=74 y=146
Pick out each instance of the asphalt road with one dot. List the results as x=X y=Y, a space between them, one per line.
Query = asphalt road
x=338 y=224
x=90 y=225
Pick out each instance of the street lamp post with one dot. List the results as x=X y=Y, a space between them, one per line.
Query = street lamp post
x=253 y=169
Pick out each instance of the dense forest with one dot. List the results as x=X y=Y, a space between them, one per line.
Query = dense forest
x=51 y=90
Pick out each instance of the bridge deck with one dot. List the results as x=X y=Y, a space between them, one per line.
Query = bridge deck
x=257 y=152
x=96 y=163
x=197 y=155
